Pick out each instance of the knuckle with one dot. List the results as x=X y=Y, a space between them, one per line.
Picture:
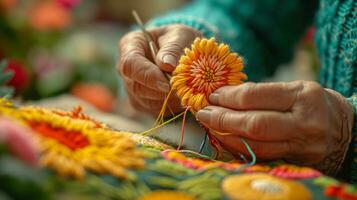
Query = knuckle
x=136 y=88
x=123 y=41
x=310 y=89
x=246 y=93
x=313 y=88
x=174 y=47
x=221 y=119
x=126 y=65
x=256 y=125
x=146 y=76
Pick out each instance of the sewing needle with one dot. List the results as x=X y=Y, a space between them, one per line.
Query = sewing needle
x=150 y=41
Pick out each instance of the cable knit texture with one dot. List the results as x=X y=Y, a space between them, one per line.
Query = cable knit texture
x=265 y=33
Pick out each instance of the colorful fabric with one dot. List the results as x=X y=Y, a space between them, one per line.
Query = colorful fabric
x=148 y=168
x=264 y=33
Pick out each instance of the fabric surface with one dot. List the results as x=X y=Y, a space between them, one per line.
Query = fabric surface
x=82 y=158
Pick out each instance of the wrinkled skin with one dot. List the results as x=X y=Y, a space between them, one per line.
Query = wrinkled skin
x=143 y=75
x=299 y=121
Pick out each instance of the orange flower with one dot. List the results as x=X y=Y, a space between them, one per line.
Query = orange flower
x=204 y=68
x=95 y=94
x=49 y=16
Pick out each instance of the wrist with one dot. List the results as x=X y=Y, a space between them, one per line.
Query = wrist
x=339 y=134
x=342 y=140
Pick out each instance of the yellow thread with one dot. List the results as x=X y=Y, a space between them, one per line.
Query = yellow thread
x=220 y=133
x=162 y=124
x=160 y=117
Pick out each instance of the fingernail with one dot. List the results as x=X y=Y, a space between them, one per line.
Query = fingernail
x=213 y=98
x=164 y=87
x=169 y=59
x=204 y=115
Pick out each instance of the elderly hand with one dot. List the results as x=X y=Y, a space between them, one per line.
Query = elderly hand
x=297 y=121
x=143 y=78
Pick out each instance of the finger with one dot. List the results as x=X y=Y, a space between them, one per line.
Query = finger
x=257 y=96
x=172 y=45
x=154 y=106
x=135 y=65
x=142 y=91
x=256 y=125
x=262 y=150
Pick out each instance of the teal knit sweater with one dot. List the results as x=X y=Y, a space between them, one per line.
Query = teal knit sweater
x=265 y=32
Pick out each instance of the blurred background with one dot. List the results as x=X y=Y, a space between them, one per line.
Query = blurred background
x=64 y=52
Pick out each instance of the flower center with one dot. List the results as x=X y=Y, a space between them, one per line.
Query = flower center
x=72 y=139
x=266 y=186
x=209 y=73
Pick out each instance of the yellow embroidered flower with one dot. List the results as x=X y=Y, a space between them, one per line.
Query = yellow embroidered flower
x=167 y=195
x=263 y=186
x=204 y=68
x=72 y=143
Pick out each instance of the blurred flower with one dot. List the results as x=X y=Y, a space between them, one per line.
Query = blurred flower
x=45 y=63
x=53 y=73
x=19 y=141
x=80 y=47
x=49 y=15
x=21 y=77
x=95 y=94
x=69 y=3
x=309 y=36
x=83 y=46
x=7 y=4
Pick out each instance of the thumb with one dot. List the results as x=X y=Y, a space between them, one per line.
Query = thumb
x=172 y=46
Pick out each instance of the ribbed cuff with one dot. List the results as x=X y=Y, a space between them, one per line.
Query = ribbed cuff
x=207 y=29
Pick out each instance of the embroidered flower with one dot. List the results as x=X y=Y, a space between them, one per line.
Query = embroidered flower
x=167 y=195
x=263 y=186
x=202 y=164
x=71 y=143
x=204 y=68
x=335 y=189
x=294 y=172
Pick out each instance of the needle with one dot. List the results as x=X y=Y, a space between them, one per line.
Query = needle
x=152 y=45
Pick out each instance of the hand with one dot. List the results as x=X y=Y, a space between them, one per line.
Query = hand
x=296 y=121
x=17 y=138
x=143 y=78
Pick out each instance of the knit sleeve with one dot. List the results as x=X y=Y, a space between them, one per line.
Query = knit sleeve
x=263 y=32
